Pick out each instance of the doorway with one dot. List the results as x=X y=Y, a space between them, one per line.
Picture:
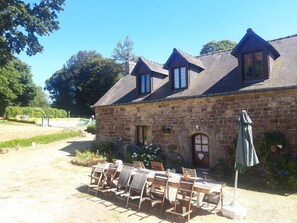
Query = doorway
x=200 y=150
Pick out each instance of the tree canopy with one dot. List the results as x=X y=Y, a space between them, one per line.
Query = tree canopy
x=214 y=46
x=85 y=78
x=16 y=85
x=123 y=52
x=21 y=23
x=40 y=100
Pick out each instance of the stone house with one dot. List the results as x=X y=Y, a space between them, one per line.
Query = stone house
x=190 y=105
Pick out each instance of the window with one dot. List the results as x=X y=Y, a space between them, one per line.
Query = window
x=179 y=78
x=141 y=135
x=253 y=66
x=145 y=83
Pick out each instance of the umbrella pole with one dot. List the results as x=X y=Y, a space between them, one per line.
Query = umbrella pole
x=235 y=189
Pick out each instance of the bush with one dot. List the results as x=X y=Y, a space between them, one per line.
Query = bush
x=13 y=111
x=22 y=121
x=146 y=154
x=41 y=139
x=91 y=129
x=282 y=172
x=106 y=149
x=86 y=158
x=279 y=168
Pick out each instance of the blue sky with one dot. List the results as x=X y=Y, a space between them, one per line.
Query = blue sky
x=156 y=27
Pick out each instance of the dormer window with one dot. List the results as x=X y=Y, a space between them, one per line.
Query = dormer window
x=253 y=65
x=145 y=83
x=180 y=78
x=182 y=70
x=255 y=57
x=147 y=76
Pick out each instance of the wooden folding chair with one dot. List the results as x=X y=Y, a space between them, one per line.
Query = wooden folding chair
x=123 y=182
x=107 y=181
x=188 y=171
x=158 y=191
x=157 y=166
x=137 y=188
x=96 y=177
x=183 y=198
x=214 y=197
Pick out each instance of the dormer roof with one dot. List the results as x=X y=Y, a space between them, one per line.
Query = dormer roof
x=250 y=34
x=151 y=65
x=187 y=57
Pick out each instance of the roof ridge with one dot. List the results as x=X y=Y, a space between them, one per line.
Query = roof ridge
x=211 y=53
x=151 y=61
x=185 y=53
x=221 y=51
x=281 y=38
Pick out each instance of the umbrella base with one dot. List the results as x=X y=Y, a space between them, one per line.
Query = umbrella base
x=234 y=211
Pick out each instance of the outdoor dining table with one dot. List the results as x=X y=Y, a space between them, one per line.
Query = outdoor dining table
x=202 y=185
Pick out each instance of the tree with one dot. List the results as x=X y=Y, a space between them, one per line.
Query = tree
x=214 y=46
x=40 y=100
x=21 y=23
x=16 y=85
x=123 y=53
x=85 y=78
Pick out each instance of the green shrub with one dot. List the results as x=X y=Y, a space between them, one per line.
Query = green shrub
x=106 y=149
x=175 y=161
x=13 y=111
x=86 y=158
x=41 y=139
x=22 y=121
x=91 y=129
x=282 y=172
x=278 y=167
x=146 y=154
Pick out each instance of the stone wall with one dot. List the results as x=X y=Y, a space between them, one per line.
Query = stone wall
x=215 y=116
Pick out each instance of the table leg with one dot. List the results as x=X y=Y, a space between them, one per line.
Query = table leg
x=198 y=199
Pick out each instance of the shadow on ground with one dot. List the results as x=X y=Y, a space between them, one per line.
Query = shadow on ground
x=77 y=145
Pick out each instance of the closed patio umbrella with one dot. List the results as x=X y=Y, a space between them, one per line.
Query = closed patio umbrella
x=245 y=157
x=245 y=151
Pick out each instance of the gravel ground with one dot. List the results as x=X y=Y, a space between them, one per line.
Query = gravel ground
x=41 y=185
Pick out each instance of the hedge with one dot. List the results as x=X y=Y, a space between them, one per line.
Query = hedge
x=13 y=111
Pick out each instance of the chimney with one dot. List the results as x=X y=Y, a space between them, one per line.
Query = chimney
x=129 y=65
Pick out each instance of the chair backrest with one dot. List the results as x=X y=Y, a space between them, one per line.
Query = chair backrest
x=188 y=171
x=138 y=182
x=185 y=188
x=138 y=164
x=125 y=176
x=159 y=184
x=111 y=171
x=157 y=166
x=99 y=168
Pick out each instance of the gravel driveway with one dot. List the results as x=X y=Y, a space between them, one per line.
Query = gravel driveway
x=41 y=185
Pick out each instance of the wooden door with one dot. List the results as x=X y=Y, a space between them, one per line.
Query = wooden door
x=200 y=151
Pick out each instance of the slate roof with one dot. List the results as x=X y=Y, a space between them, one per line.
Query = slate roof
x=220 y=76
x=190 y=59
x=153 y=66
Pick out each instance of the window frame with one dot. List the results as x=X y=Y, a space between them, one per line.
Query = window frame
x=147 y=84
x=246 y=78
x=141 y=140
x=173 y=75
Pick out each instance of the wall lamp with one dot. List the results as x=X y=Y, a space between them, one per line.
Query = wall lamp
x=166 y=128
